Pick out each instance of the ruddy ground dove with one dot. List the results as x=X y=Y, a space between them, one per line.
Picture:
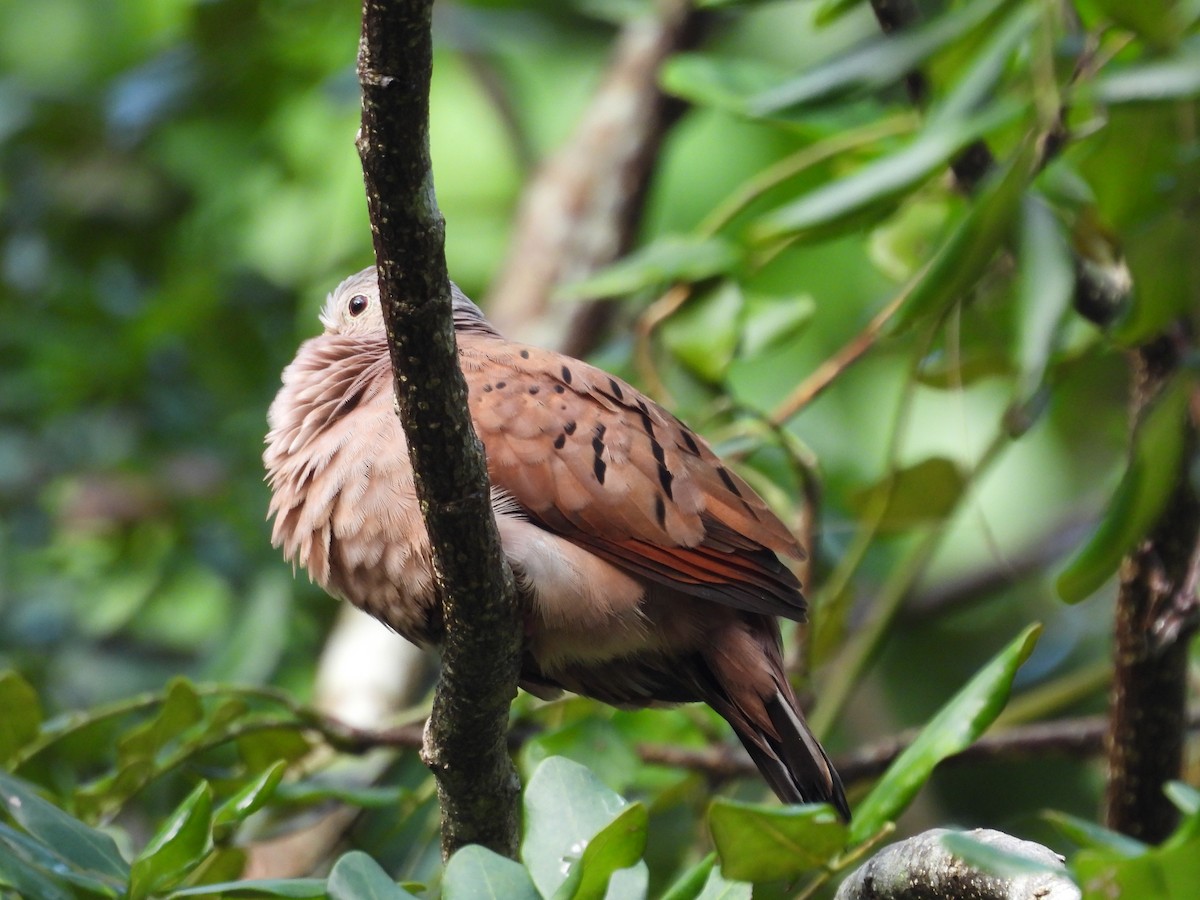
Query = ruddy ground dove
x=651 y=567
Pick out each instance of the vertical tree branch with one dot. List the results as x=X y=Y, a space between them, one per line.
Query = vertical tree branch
x=1156 y=616
x=465 y=740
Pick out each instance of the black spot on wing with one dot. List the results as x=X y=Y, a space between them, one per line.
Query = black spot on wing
x=615 y=389
x=727 y=480
x=689 y=442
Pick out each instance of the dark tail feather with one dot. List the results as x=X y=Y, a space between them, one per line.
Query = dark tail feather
x=795 y=765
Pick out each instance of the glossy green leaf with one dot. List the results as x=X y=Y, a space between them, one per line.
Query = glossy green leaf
x=294 y=888
x=1175 y=78
x=668 y=259
x=1164 y=873
x=356 y=876
x=964 y=256
x=767 y=843
x=180 y=844
x=83 y=847
x=251 y=797
x=21 y=717
x=876 y=63
x=703 y=335
x=50 y=863
x=1153 y=470
x=1045 y=287
x=954 y=728
x=919 y=494
x=477 y=873
x=566 y=806
x=873 y=189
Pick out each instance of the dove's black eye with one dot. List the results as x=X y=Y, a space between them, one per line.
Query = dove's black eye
x=357 y=304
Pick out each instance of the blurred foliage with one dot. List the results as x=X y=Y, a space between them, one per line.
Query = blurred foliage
x=178 y=188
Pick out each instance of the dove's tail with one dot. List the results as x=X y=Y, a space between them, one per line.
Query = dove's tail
x=766 y=717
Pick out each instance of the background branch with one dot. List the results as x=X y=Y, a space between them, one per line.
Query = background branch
x=465 y=741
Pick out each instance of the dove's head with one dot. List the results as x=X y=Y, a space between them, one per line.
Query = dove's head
x=353 y=308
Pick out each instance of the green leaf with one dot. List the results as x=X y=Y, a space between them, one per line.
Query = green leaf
x=767 y=843
x=1088 y=834
x=50 y=864
x=1176 y=78
x=475 y=873
x=251 y=797
x=691 y=883
x=80 y=845
x=356 y=876
x=296 y=888
x=703 y=335
x=1160 y=22
x=263 y=749
x=22 y=715
x=875 y=63
x=619 y=845
x=1045 y=287
x=593 y=742
x=873 y=189
x=722 y=82
x=770 y=320
x=566 y=806
x=180 y=844
x=180 y=710
x=27 y=879
x=671 y=258
x=954 y=728
x=1164 y=873
x=919 y=494
x=963 y=258
x=1154 y=468
x=993 y=860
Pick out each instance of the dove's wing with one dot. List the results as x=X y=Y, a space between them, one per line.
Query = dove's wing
x=594 y=460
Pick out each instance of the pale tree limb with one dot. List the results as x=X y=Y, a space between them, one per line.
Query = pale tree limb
x=465 y=742
x=581 y=210
x=923 y=868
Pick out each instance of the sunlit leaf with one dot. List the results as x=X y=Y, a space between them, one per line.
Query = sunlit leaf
x=718 y=81
x=181 y=842
x=251 y=797
x=954 y=728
